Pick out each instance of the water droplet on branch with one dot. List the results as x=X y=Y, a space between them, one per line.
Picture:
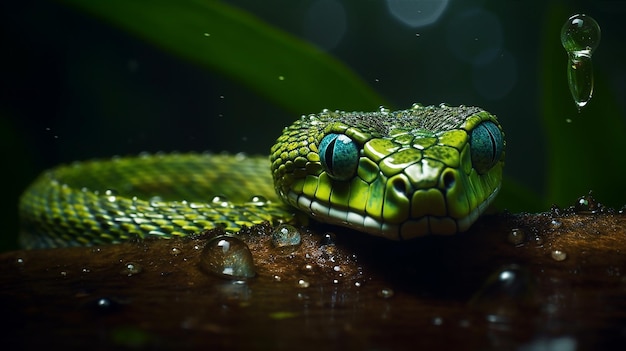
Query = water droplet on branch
x=286 y=238
x=229 y=257
x=558 y=255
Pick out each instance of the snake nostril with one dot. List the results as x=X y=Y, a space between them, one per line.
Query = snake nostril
x=399 y=185
x=449 y=180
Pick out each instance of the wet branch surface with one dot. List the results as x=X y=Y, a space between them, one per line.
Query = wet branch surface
x=526 y=280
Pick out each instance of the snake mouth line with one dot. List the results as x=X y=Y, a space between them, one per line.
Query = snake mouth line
x=409 y=229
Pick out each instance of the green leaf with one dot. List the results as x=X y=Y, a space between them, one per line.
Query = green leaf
x=286 y=70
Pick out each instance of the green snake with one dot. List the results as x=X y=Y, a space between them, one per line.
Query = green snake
x=393 y=174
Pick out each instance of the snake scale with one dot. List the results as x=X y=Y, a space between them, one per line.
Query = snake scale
x=395 y=174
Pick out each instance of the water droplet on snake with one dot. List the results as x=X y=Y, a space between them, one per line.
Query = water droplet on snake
x=220 y=200
x=111 y=195
x=258 y=200
x=228 y=257
x=156 y=201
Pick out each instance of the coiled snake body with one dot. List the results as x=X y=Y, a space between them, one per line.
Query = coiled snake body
x=399 y=175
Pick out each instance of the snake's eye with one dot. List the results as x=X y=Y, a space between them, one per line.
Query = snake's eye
x=486 y=145
x=339 y=156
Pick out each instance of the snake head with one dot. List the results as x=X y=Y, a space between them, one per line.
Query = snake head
x=398 y=175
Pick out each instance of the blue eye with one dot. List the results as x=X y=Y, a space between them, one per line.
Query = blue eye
x=486 y=145
x=339 y=156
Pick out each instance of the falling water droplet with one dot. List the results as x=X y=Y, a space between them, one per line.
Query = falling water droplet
x=580 y=78
x=229 y=257
x=286 y=238
x=580 y=36
x=580 y=33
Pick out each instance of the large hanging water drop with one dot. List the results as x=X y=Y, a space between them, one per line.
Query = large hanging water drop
x=580 y=36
